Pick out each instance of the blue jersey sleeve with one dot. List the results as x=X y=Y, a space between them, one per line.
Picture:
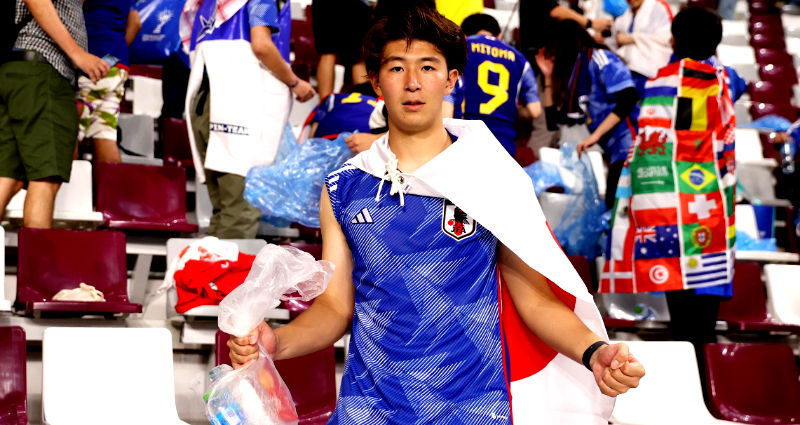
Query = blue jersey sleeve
x=528 y=89
x=263 y=13
x=322 y=110
x=614 y=75
x=737 y=84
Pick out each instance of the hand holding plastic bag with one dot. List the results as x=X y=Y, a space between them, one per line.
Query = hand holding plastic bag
x=256 y=394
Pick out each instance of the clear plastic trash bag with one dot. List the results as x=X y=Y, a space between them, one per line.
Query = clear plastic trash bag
x=290 y=188
x=581 y=225
x=256 y=394
x=544 y=176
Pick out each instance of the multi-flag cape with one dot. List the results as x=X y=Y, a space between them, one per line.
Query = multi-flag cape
x=673 y=221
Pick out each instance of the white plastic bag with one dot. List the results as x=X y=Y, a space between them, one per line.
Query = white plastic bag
x=256 y=394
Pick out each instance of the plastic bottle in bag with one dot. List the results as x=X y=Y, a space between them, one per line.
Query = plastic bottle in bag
x=787 y=157
x=643 y=311
x=228 y=412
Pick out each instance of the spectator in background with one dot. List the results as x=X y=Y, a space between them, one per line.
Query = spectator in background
x=240 y=123
x=111 y=26
x=496 y=79
x=642 y=39
x=339 y=27
x=37 y=87
x=586 y=83
x=344 y=112
x=680 y=181
x=540 y=18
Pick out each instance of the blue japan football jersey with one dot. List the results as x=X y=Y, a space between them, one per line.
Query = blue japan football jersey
x=426 y=342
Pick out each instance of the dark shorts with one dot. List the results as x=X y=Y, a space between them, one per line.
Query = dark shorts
x=38 y=122
x=339 y=27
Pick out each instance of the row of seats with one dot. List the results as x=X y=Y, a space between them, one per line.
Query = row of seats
x=741 y=380
x=754 y=307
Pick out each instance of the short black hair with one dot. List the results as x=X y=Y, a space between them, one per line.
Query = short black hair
x=480 y=21
x=696 y=31
x=420 y=24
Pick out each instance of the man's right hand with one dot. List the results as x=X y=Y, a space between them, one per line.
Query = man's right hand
x=94 y=67
x=303 y=91
x=245 y=349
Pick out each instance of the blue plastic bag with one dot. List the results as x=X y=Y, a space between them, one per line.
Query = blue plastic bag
x=544 y=176
x=615 y=8
x=581 y=225
x=769 y=123
x=290 y=189
x=158 y=39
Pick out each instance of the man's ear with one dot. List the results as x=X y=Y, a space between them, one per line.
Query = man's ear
x=452 y=78
x=373 y=79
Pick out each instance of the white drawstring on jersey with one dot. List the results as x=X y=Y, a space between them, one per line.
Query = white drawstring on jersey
x=394 y=176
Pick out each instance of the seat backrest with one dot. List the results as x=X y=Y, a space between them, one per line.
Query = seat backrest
x=670 y=393
x=785 y=110
x=783 y=292
x=134 y=193
x=314 y=249
x=769 y=92
x=51 y=260
x=137 y=134
x=108 y=375
x=311 y=378
x=13 y=391
x=779 y=73
x=175 y=139
x=753 y=383
x=749 y=301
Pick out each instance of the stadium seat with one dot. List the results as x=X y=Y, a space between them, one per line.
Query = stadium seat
x=779 y=73
x=175 y=140
x=73 y=200
x=783 y=292
x=174 y=248
x=766 y=56
x=785 y=110
x=305 y=54
x=753 y=383
x=747 y=309
x=100 y=376
x=311 y=380
x=13 y=387
x=758 y=7
x=144 y=197
x=769 y=92
x=138 y=139
x=766 y=26
x=52 y=260
x=670 y=394
x=5 y=303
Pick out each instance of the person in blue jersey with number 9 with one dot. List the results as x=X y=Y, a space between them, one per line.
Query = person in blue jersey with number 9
x=496 y=79
x=453 y=306
x=585 y=83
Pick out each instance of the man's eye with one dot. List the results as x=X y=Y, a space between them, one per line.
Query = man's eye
x=396 y=69
x=428 y=68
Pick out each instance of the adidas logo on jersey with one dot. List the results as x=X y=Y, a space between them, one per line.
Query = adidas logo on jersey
x=362 y=217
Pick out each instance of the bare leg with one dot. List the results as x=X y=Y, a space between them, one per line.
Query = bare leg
x=359 y=73
x=8 y=188
x=105 y=150
x=39 y=203
x=325 y=74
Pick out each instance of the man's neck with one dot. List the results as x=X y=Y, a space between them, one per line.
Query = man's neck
x=415 y=149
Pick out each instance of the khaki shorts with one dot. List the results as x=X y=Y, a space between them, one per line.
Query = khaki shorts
x=100 y=113
x=38 y=122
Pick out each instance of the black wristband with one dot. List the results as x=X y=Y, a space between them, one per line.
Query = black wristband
x=587 y=355
x=588 y=23
x=296 y=83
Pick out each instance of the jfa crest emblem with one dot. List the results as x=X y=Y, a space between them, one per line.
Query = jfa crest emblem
x=456 y=223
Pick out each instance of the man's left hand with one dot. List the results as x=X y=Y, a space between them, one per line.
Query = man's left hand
x=585 y=144
x=615 y=369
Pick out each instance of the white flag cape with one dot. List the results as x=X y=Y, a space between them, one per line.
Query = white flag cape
x=478 y=175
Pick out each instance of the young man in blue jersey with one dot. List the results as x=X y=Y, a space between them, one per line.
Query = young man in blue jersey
x=497 y=78
x=416 y=278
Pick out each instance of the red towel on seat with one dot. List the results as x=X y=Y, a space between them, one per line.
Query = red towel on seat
x=207 y=283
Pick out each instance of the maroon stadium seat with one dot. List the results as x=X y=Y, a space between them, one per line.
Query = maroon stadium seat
x=764 y=26
x=51 y=260
x=311 y=379
x=13 y=391
x=769 y=92
x=175 y=139
x=768 y=40
x=747 y=309
x=766 y=56
x=778 y=72
x=761 y=7
x=753 y=383
x=758 y=110
x=133 y=196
